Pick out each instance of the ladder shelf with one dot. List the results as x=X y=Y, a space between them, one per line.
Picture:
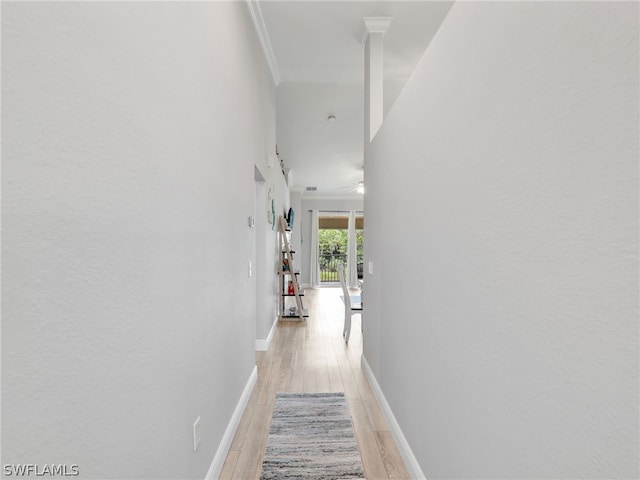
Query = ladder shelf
x=289 y=279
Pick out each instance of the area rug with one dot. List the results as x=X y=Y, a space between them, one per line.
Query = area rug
x=312 y=438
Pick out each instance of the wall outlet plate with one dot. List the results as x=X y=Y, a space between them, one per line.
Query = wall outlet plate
x=196 y=434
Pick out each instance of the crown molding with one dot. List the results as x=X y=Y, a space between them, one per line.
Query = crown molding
x=263 y=35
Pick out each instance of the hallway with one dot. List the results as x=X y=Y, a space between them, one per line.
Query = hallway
x=312 y=357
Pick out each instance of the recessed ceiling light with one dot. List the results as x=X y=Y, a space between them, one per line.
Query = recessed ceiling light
x=331 y=118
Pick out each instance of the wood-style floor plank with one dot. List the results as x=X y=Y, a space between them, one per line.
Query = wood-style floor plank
x=229 y=465
x=311 y=356
x=390 y=455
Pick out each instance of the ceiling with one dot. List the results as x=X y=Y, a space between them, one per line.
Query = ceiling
x=316 y=55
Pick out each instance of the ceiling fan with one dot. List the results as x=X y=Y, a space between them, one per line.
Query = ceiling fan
x=357 y=187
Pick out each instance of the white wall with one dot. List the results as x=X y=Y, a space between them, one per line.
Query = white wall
x=502 y=220
x=130 y=134
x=267 y=243
x=296 y=238
x=304 y=233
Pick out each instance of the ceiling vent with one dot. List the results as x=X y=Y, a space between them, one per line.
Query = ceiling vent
x=312 y=189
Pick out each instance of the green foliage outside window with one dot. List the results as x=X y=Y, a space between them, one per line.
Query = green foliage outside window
x=333 y=250
x=335 y=241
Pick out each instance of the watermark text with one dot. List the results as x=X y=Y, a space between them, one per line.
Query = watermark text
x=33 y=470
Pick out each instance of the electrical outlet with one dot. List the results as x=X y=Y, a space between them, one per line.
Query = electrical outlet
x=196 y=434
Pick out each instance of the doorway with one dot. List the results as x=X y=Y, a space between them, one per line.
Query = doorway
x=334 y=247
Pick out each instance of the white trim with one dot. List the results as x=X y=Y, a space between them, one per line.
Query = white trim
x=263 y=35
x=218 y=461
x=262 y=345
x=410 y=461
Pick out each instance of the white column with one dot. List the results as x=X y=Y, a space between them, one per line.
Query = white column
x=352 y=251
x=373 y=73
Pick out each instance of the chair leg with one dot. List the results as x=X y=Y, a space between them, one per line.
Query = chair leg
x=344 y=326
x=347 y=326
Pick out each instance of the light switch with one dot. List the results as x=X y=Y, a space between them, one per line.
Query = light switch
x=370 y=267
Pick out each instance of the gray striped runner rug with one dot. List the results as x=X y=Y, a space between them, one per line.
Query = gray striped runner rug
x=312 y=438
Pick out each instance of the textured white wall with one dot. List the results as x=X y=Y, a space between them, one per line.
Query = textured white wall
x=502 y=220
x=296 y=236
x=130 y=134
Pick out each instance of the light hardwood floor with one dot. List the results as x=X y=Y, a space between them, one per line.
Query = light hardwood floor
x=311 y=356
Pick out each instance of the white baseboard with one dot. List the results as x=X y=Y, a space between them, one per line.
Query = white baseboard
x=262 y=345
x=410 y=461
x=218 y=461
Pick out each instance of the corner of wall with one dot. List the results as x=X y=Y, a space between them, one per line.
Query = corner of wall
x=230 y=431
x=262 y=345
x=410 y=461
